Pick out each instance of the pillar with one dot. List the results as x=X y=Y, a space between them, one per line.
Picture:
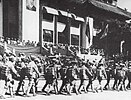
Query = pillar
x=20 y=20
x=55 y=34
x=1 y=18
x=40 y=26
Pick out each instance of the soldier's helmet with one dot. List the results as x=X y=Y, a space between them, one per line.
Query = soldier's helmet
x=12 y=58
x=5 y=58
x=37 y=60
x=32 y=57
x=21 y=54
x=18 y=59
x=100 y=65
x=122 y=65
x=129 y=67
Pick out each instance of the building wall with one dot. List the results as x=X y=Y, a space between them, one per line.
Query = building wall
x=1 y=19
x=30 y=23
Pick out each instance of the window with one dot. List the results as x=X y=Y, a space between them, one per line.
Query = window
x=47 y=35
x=62 y=38
x=74 y=39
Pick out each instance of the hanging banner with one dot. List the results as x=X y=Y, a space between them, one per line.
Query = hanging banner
x=88 y=31
x=105 y=32
x=91 y=30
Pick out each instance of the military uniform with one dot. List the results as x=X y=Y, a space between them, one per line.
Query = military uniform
x=101 y=73
x=21 y=68
x=109 y=73
x=50 y=77
x=72 y=75
x=91 y=76
x=120 y=77
x=129 y=78
x=31 y=71
x=6 y=74
x=62 y=72
x=83 y=73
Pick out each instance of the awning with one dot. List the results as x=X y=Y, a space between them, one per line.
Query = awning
x=60 y=12
x=50 y=10
x=80 y=19
x=64 y=13
x=71 y=15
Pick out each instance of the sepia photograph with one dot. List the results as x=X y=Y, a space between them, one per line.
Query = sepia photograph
x=65 y=49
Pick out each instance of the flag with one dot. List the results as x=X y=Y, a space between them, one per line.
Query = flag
x=105 y=32
x=88 y=31
x=91 y=29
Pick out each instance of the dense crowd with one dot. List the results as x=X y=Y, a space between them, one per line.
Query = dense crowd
x=69 y=69
x=17 y=42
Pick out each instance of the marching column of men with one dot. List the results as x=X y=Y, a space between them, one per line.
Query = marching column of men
x=69 y=71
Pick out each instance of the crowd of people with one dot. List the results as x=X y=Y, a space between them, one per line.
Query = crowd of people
x=74 y=49
x=17 y=42
x=68 y=69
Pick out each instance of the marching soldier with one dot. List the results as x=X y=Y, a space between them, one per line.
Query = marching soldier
x=50 y=77
x=6 y=75
x=129 y=77
x=71 y=74
x=108 y=69
x=21 y=68
x=62 y=72
x=36 y=76
x=83 y=73
x=101 y=73
x=114 y=74
x=121 y=72
x=31 y=71
x=92 y=69
x=1 y=81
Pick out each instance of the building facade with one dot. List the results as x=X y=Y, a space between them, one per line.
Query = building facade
x=72 y=22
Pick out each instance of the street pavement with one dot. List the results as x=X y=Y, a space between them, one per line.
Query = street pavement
x=105 y=95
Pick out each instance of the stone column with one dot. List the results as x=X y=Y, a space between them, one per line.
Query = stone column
x=55 y=38
x=40 y=26
x=1 y=18
x=20 y=13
